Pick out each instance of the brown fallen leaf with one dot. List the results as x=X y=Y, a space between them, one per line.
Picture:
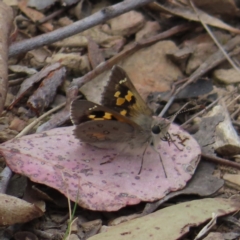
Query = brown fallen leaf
x=14 y=210
x=227 y=76
x=83 y=9
x=151 y=28
x=94 y=54
x=37 y=57
x=29 y=82
x=34 y=15
x=202 y=47
x=188 y=13
x=225 y=8
x=73 y=62
x=80 y=39
x=22 y=69
x=46 y=92
x=92 y=227
x=232 y=180
x=62 y=116
x=17 y=124
x=125 y=25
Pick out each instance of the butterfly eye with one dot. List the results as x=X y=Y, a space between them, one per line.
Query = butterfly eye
x=156 y=129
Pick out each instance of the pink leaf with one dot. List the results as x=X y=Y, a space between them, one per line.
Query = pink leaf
x=55 y=158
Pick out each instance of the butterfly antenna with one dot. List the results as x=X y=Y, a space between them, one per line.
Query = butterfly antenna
x=183 y=109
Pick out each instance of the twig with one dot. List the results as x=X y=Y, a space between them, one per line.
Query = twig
x=201 y=112
x=222 y=161
x=97 y=18
x=208 y=227
x=15 y=82
x=167 y=105
x=212 y=62
x=32 y=124
x=226 y=55
x=235 y=113
x=233 y=101
x=50 y=16
x=208 y=107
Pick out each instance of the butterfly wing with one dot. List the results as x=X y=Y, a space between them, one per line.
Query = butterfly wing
x=121 y=95
x=98 y=124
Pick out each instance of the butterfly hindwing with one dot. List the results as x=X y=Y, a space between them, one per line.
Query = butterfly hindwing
x=98 y=124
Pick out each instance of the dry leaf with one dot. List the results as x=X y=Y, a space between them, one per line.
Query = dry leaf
x=170 y=223
x=14 y=210
x=55 y=158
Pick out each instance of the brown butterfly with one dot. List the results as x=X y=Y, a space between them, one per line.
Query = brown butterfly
x=123 y=117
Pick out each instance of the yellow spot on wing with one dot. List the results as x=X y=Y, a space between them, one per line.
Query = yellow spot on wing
x=128 y=97
x=120 y=101
x=107 y=115
x=123 y=112
x=92 y=116
x=117 y=94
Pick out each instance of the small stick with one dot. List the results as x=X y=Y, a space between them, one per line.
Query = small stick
x=95 y=19
x=32 y=124
x=222 y=161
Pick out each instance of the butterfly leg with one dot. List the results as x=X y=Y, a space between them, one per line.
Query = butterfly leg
x=170 y=140
x=160 y=158
x=181 y=140
x=154 y=143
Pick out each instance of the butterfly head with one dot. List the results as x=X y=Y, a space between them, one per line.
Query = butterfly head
x=159 y=128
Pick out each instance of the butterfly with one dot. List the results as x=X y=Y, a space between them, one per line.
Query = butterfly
x=122 y=118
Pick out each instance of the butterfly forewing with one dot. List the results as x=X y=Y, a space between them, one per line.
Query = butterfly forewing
x=121 y=95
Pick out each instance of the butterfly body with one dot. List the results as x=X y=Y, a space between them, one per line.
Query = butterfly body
x=122 y=118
